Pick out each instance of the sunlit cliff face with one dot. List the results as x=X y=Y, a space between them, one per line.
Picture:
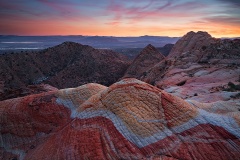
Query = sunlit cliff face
x=120 y=17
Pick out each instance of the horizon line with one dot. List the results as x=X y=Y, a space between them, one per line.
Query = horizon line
x=89 y=35
x=105 y=35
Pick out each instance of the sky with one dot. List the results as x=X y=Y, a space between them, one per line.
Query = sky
x=220 y=18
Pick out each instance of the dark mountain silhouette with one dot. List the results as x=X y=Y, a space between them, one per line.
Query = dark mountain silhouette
x=165 y=50
x=99 y=39
x=132 y=53
x=100 y=66
x=147 y=58
x=66 y=65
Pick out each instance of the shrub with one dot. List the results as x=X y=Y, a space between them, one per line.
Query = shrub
x=232 y=87
x=204 y=47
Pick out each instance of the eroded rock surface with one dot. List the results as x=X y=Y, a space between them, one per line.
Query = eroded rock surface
x=190 y=42
x=128 y=120
x=199 y=67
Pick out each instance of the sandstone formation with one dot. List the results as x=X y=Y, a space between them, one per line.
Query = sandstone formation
x=66 y=65
x=128 y=120
x=147 y=58
x=199 y=67
x=190 y=42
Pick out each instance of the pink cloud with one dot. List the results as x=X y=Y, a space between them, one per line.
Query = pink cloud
x=62 y=8
x=151 y=11
x=66 y=11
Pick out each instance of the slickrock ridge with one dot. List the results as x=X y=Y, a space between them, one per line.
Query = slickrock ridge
x=199 y=67
x=146 y=59
x=190 y=42
x=128 y=120
x=66 y=65
x=27 y=122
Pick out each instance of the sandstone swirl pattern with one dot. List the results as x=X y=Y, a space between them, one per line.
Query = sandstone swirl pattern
x=128 y=120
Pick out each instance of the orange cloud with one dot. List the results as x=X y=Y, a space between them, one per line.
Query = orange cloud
x=119 y=18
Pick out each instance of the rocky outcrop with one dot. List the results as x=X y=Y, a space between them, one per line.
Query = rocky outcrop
x=191 y=42
x=98 y=66
x=147 y=58
x=66 y=65
x=128 y=120
x=199 y=67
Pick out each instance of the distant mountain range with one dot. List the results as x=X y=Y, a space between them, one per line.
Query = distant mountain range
x=16 y=43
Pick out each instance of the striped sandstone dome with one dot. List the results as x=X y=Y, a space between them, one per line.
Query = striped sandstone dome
x=128 y=120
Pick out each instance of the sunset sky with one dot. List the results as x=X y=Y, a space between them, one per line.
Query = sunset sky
x=221 y=18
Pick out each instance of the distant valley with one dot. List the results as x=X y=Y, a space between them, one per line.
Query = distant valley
x=33 y=43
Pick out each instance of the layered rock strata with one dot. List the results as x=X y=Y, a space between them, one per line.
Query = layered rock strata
x=128 y=120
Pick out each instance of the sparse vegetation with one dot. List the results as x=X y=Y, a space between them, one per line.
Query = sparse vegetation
x=204 y=48
x=203 y=62
x=232 y=87
x=181 y=83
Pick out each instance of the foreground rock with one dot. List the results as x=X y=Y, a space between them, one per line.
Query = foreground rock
x=199 y=67
x=128 y=120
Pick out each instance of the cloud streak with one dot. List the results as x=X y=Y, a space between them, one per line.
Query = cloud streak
x=152 y=10
x=232 y=2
